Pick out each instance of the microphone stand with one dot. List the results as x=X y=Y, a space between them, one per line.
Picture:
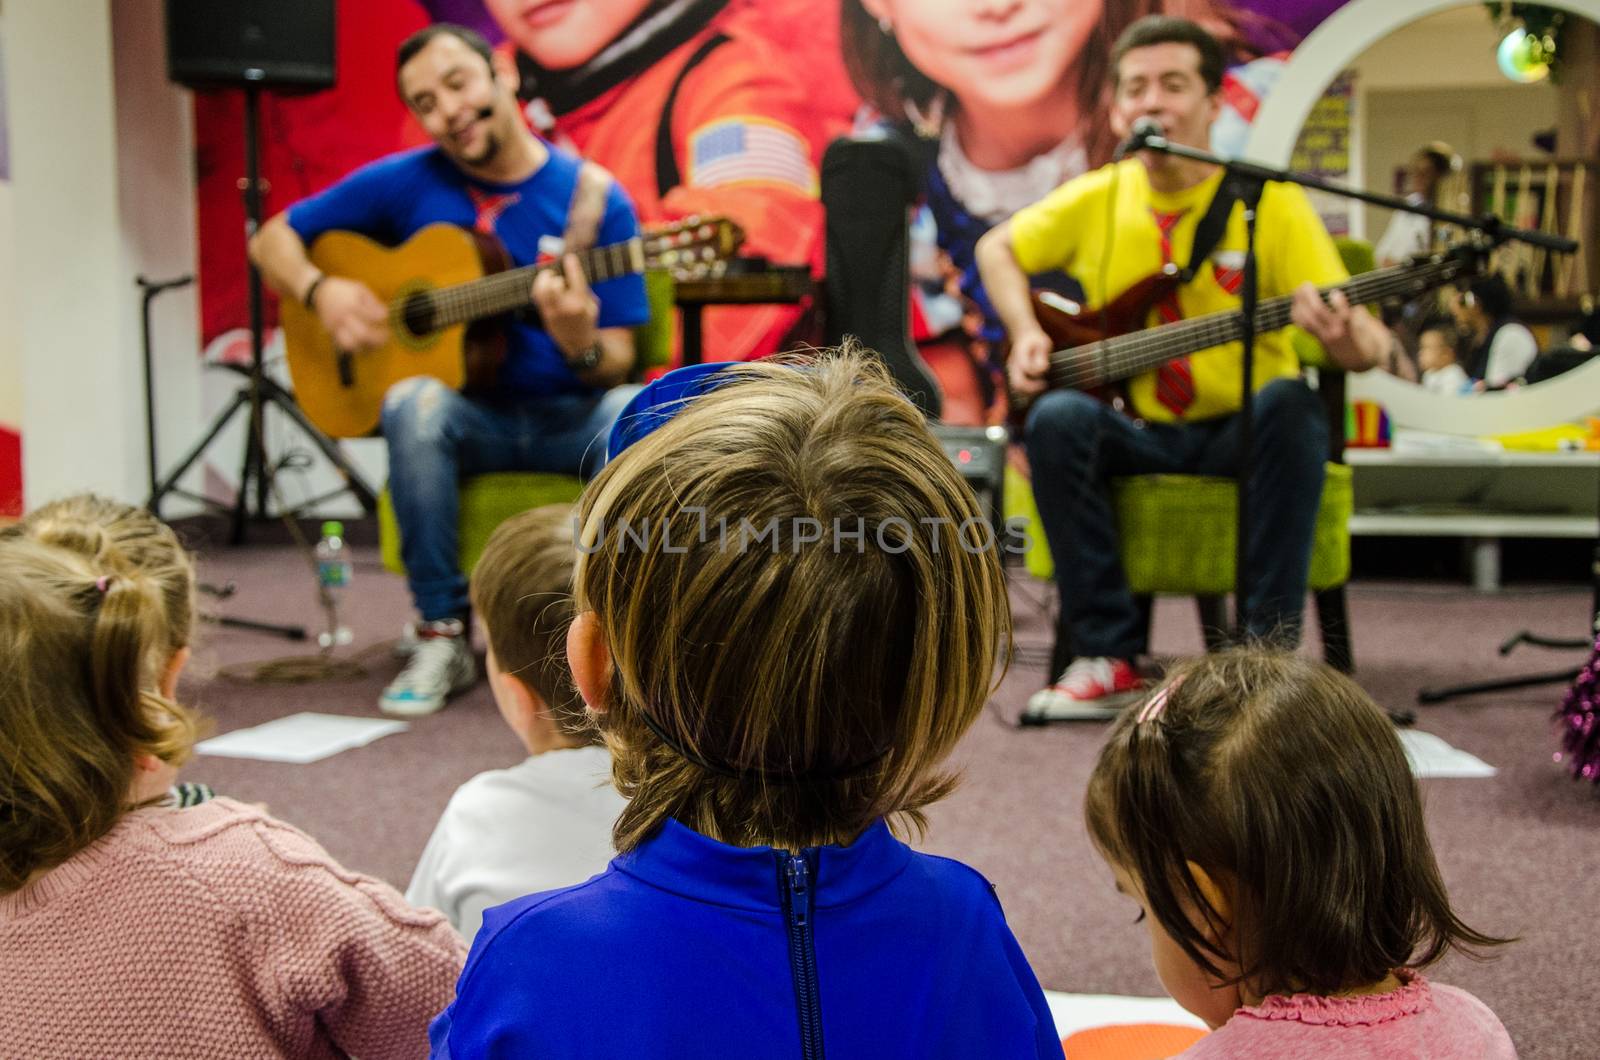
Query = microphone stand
x=1249 y=178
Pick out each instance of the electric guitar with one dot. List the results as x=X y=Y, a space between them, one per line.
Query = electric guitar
x=1097 y=349
x=438 y=285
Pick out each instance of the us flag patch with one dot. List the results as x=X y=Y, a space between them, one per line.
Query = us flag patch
x=750 y=149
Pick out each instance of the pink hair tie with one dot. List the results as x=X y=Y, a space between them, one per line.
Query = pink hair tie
x=1157 y=703
x=102 y=583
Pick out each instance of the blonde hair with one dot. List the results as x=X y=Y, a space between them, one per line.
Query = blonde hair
x=121 y=537
x=522 y=589
x=765 y=686
x=90 y=616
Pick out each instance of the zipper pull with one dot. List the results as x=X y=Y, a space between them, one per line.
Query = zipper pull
x=799 y=883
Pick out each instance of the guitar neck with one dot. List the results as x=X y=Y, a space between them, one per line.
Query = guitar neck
x=513 y=289
x=1115 y=359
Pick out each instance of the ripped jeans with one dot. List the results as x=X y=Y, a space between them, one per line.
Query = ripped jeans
x=437 y=437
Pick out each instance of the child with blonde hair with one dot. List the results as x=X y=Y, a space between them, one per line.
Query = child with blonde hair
x=789 y=611
x=1261 y=811
x=129 y=927
x=546 y=821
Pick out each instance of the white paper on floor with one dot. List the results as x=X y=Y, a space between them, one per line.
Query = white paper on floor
x=300 y=738
x=1432 y=757
x=1079 y=1012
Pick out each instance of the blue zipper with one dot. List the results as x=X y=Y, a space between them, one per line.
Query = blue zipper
x=795 y=881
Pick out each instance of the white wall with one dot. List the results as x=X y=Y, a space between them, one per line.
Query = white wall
x=156 y=200
x=102 y=192
x=10 y=343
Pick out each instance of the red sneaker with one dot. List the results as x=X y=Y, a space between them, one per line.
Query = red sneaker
x=1091 y=689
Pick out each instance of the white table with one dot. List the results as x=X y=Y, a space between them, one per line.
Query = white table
x=1481 y=495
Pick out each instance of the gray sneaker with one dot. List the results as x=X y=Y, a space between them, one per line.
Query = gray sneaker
x=440 y=666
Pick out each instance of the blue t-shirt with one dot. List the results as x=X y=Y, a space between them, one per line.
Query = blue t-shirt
x=689 y=948
x=392 y=199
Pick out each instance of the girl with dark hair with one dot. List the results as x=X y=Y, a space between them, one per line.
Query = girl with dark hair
x=1260 y=809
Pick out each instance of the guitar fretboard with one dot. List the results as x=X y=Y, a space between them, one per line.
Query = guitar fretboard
x=1115 y=359
x=512 y=289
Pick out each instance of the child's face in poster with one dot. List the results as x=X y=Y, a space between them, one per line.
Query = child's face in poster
x=993 y=53
x=562 y=34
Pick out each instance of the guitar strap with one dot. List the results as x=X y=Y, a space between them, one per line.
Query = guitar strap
x=1208 y=233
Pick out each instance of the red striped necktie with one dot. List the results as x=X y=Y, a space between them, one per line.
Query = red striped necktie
x=1174 y=379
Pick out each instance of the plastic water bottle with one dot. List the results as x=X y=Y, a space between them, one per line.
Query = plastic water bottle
x=333 y=578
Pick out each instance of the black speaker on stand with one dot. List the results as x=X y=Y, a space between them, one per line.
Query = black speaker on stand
x=255 y=45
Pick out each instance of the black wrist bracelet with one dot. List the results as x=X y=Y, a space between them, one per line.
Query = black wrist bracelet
x=309 y=299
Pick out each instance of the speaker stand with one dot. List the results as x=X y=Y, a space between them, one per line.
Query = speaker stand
x=258 y=391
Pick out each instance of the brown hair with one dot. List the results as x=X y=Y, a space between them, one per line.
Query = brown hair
x=1151 y=30
x=1284 y=781
x=767 y=686
x=86 y=642
x=522 y=588
x=889 y=81
x=425 y=36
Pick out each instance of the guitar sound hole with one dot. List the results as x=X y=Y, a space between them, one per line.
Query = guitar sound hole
x=417 y=315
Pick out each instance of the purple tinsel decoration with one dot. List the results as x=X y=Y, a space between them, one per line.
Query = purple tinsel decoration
x=1580 y=738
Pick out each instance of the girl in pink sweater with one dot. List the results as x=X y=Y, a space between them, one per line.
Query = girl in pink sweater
x=129 y=927
x=1261 y=811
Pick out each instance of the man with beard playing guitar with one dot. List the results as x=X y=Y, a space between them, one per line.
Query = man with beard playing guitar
x=557 y=387
x=1148 y=209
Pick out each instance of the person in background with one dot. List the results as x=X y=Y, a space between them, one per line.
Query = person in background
x=1111 y=229
x=1499 y=348
x=1409 y=234
x=1437 y=352
x=563 y=376
x=1260 y=810
x=546 y=821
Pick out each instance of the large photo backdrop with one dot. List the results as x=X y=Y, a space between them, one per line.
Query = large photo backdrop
x=725 y=106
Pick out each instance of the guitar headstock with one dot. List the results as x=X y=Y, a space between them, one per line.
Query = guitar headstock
x=694 y=248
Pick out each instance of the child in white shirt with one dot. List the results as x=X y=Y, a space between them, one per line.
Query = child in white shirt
x=1437 y=350
x=545 y=822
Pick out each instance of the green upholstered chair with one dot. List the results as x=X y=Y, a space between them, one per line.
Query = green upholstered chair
x=489 y=500
x=1178 y=533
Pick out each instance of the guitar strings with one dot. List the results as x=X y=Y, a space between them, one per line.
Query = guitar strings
x=1110 y=360
x=503 y=291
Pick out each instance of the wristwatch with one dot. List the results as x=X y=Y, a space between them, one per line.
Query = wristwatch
x=588 y=359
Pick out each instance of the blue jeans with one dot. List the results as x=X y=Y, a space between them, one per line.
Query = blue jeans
x=1077 y=444
x=437 y=437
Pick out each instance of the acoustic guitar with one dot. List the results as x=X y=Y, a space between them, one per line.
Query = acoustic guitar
x=441 y=287
x=1099 y=348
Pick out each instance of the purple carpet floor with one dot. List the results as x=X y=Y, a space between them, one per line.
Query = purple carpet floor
x=1520 y=852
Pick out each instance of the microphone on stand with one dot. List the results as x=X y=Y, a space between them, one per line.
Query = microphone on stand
x=1144 y=130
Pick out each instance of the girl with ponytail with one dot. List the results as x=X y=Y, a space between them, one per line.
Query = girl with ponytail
x=119 y=911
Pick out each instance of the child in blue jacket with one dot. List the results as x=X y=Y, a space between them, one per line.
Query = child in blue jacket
x=790 y=609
